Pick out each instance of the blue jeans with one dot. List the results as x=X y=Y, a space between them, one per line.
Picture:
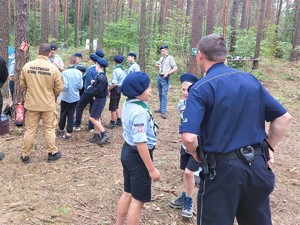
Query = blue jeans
x=163 y=88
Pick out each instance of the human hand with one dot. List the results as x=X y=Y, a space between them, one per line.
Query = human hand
x=92 y=81
x=166 y=75
x=154 y=174
x=271 y=161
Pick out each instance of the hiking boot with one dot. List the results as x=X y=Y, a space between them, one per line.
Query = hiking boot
x=76 y=128
x=25 y=159
x=157 y=111
x=1 y=155
x=164 y=115
x=67 y=136
x=178 y=202
x=54 y=157
x=111 y=125
x=119 y=122
x=187 y=210
x=105 y=136
x=59 y=132
x=94 y=138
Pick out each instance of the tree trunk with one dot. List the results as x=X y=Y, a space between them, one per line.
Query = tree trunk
x=233 y=19
x=44 y=20
x=101 y=23
x=21 y=34
x=66 y=19
x=287 y=15
x=91 y=26
x=225 y=17
x=296 y=42
x=259 y=33
x=4 y=34
x=56 y=19
x=76 y=25
x=245 y=15
x=142 y=35
x=34 y=22
x=161 y=17
x=52 y=19
x=196 y=33
x=210 y=18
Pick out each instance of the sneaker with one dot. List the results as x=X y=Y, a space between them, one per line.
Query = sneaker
x=119 y=122
x=76 y=128
x=111 y=125
x=105 y=136
x=187 y=210
x=178 y=202
x=157 y=111
x=59 y=132
x=67 y=136
x=54 y=157
x=94 y=138
x=164 y=115
x=25 y=159
x=1 y=155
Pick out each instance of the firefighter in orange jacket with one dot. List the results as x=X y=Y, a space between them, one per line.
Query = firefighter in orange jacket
x=42 y=82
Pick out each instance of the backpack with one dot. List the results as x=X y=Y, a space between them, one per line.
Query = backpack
x=3 y=71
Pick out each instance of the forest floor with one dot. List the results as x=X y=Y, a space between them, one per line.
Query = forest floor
x=83 y=187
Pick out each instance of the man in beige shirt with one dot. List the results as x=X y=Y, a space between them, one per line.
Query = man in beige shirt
x=167 y=66
x=42 y=82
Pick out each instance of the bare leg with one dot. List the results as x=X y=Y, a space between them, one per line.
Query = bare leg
x=134 y=212
x=97 y=124
x=122 y=208
x=188 y=182
x=113 y=116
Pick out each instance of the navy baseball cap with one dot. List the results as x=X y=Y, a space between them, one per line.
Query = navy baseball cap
x=53 y=47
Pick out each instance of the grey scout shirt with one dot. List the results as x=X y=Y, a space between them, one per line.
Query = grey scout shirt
x=134 y=67
x=166 y=63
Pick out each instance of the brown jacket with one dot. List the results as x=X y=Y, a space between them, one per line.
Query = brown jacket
x=42 y=81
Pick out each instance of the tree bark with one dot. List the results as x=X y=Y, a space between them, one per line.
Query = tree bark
x=196 y=33
x=233 y=19
x=259 y=33
x=34 y=22
x=142 y=35
x=161 y=20
x=21 y=34
x=76 y=25
x=91 y=26
x=101 y=23
x=66 y=19
x=44 y=20
x=210 y=18
x=225 y=17
x=296 y=41
x=245 y=21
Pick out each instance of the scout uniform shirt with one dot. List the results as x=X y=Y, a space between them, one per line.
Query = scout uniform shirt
x=133 y=67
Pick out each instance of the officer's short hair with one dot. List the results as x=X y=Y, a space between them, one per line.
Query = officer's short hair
x=72 y=59
x=213 y=47
x=44 y=49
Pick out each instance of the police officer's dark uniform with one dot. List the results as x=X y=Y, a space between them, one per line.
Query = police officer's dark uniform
x=228 y=109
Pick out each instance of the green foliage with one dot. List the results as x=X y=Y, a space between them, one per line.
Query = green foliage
x=245 y=43
x=268 y=48
x=65 y=209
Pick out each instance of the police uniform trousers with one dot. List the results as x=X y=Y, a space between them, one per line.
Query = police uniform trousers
x=238 y=190
x=32 y=119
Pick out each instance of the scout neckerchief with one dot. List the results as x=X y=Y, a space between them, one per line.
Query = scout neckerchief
x=119 y=66
x=71 y=67
x=130 y=64
x=144 y=106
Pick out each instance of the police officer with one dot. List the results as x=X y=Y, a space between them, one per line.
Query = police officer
x=137 y=151
x=42 y=82
x=228 y=109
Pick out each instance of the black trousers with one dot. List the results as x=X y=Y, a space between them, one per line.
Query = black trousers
x=86 y=98
x=238 y=190
x=67 y=111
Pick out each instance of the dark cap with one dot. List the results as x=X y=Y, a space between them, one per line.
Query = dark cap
x=100 y=53
x=135 y=84
x=163 y=47
x=81 y=68
x=188 y=77
x=78 y=54
x=53 y=47
x=93 y=57
x=132 y=54
x=118 y=58
x=102 y=62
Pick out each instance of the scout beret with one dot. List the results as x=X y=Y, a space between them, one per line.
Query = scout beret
x=132 y=54
x=135 y=84
x=53 y=47
x=78 y=54
x=118 y=58
x=81 y=68
x=100 y=53
x=163 y=47
x=102 y=62
x=93 y=57
x=189 y=78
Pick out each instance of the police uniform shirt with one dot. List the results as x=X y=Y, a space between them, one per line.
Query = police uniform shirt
x=134 y=67
x=118 y=76
x=228 y=109
x=138 y=127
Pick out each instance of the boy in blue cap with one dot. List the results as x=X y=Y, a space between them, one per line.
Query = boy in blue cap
x=118 y=76
x=187 y=163
x=99 y=91
x=78 y=59
x=132 y=65
x=137 y=151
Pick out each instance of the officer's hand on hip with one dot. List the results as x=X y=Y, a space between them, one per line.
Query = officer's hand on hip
x=154 y=174
x=271 y=161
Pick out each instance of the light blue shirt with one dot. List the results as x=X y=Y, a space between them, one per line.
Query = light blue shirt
x=138 y=126
x=134 y=67
x=118 y=75
x=72 y=84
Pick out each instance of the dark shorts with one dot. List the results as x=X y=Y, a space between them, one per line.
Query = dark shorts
x=98 y=107
x=188 y=161
x=115 y=96
x=136 y=177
